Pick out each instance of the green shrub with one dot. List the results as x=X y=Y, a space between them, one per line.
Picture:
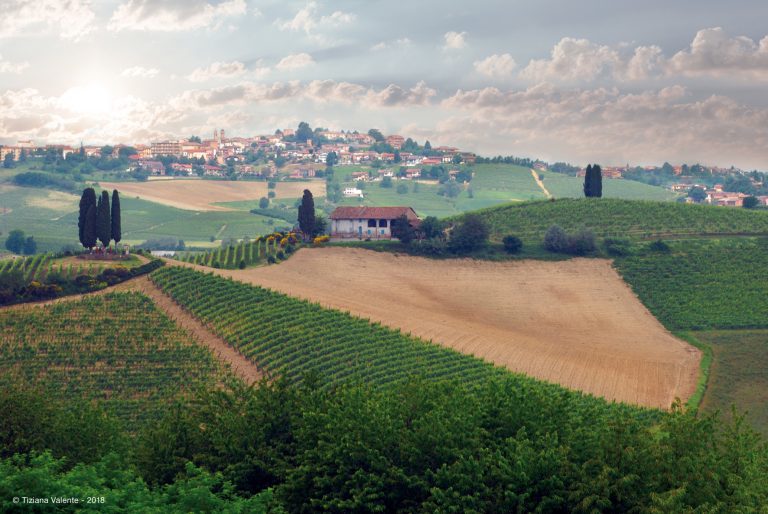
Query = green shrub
x=659 y=246
x=512 y=244
x=556 y=240
x=617 y=247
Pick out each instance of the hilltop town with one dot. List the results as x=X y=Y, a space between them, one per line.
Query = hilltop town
x=305 y=153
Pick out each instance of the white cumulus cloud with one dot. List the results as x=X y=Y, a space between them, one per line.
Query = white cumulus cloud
x=455 y=40
x=496 y=65
x=140 y=71
x=173 y=15
x=70 y=19
x=309 y=20
x=295 y=62
x=217 y=70
x=713 y=52
x=12 y=67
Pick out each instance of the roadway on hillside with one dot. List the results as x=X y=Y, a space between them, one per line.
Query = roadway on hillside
x=540 y=184
x=575 y=322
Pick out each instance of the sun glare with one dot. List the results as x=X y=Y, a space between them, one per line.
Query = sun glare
x=88 y=99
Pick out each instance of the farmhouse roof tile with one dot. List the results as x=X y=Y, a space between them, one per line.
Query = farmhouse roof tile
x=391 y=213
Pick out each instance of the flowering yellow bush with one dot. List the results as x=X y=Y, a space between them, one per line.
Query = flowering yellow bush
x=320 y=240
x=284 y=241
x=271 y=239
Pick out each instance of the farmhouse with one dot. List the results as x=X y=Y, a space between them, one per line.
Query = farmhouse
x=368 y=222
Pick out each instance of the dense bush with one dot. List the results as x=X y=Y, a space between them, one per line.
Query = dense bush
x=617 y=247
x=470 y=234
x=659 y=246
x=512 y=244
x=429 y=247
x=38 y=179
x=556 y=240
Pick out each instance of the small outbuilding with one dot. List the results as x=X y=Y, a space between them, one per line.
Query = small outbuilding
x=368 y=222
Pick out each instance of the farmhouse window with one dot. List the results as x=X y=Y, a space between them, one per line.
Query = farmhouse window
x=371 y=223
x=382 y=223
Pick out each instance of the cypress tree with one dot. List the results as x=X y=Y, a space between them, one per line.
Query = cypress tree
x=87 y=200
x=588 y=182
x=103 y=224
x=116 y=222
x=307 y=214
x=597 y=181
x=89 y=227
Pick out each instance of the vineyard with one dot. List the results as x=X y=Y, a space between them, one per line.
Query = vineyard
x=296 y=339
x=621 y=218
x=116 y=348
x=702 y=284
x=261 y=250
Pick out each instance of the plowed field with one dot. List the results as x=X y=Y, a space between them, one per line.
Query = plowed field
x=575 y=322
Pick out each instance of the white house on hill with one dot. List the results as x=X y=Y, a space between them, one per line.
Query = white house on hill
x=368 y=222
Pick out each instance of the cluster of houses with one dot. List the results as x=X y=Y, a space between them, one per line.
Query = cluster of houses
x=716 y=196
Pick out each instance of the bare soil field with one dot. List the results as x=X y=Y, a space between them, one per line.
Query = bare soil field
x=199 y=195
x=575 y=322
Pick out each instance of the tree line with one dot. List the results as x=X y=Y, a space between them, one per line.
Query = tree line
x=97 y=220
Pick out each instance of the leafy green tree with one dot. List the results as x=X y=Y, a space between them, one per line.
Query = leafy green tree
x=321 y=225
x=8 y=161
x=103 y=222
x=303 y=132
x=386 y=182
x=307 y=214
x=470 y=234
x=397 y=158
x=263 y=202
x=402 y=189
x=194 y=139
x=23 y=156
x=401 y=229
x=116 y=217
x=432 y=228
x=30 y=246
x=331 y=159
x=15 y=241
x=750 y=202
x=376 y=135
x=87 y=199
x=697 y=194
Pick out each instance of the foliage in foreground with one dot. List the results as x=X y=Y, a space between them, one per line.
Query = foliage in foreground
x=419 y=447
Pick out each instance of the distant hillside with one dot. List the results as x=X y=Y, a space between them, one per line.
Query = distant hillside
x=640 y=219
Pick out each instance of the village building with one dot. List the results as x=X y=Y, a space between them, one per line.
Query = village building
x=368 y=222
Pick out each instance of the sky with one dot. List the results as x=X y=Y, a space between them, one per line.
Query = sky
x=615 y=82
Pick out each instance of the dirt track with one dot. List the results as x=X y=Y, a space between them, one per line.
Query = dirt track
x=572 y=322
x=200 y=195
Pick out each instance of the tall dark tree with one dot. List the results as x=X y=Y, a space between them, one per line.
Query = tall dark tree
x=103 y=223
x=588 y=182
x=87 y=200
x=307 y=214
x=15 y=241
x=30 y=246
x=303 y=132
x=116 y=219
x=89 y=227
x=597 y=181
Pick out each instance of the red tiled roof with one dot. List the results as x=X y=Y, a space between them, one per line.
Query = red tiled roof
x=356 y=213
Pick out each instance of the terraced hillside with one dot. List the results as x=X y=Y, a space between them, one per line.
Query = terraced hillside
x=622 y=218
x=116 y=348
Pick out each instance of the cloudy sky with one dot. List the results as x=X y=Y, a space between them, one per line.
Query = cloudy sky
x=595 y=80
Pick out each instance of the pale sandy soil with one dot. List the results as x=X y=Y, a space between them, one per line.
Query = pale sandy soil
x=200 y=195
x=540 y=184
x=575 y=322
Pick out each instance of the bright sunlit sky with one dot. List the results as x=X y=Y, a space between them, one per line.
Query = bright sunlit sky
x=589 y=81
